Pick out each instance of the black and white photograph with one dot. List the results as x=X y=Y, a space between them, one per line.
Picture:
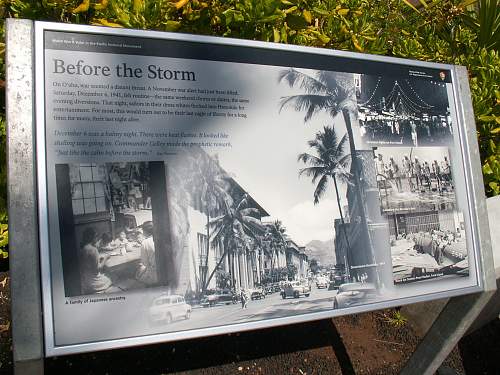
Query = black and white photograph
x=273 y=234
x=414 y=179
x=112 y=239
x=428 y=245
x=403 y=111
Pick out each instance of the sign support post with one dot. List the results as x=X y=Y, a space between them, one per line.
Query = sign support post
x=26 y=305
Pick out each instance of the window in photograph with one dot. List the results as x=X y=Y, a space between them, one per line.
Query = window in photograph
x=87 y=190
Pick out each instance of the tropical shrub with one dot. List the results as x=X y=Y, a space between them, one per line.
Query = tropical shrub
x=440 y=30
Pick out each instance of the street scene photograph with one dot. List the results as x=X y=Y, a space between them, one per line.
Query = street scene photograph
x=405 y=111
x=414 y=179
x=273 y=234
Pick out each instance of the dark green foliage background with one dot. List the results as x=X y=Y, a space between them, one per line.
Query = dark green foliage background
x=462 y=32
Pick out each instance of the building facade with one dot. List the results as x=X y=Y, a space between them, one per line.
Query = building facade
x=366 y=250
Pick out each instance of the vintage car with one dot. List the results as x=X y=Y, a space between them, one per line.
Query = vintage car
x=337 y=281
x=168 y=307
x=216 y=297
x=295 y=289
x=269 y=289
x=352 y=294
x=321 y=282
x=257 y=293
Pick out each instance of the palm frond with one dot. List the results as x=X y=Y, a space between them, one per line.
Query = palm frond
x=217 y=232
x=341 y=85
x=249 y=211
x=309 y=103
x=242 y=203
x=252 y=226
x=345 y=161
x=320 y=188
x=314 y=172
x=332 y=80
x=334 y=111
x=310 y=159
x=309 y=84
x=341 y=145
x=342 y=175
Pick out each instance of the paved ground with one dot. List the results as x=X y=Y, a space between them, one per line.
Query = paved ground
x=273 y=306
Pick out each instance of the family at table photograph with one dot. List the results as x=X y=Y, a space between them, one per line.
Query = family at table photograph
x=108 y=237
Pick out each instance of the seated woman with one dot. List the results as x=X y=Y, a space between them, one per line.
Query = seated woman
x=91 y=264
x=106 y=243
x=146 y=271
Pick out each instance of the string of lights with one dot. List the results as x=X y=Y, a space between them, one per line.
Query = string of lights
x=408 y=104
x=373 y=93
x=418 y=96
x=406 y=111
x=438 y=84
x=398 y=94
x=427 y=106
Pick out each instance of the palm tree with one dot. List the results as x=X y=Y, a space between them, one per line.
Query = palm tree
x=211 y=186
x=268 y=247
x=327 y=92
x=279 y=237
x=233 y=228
x=275 y=242
x=327 y=162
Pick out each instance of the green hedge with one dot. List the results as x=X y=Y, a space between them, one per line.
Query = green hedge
x=440 y=31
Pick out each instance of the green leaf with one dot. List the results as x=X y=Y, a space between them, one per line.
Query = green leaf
x=307 y=16
x=411 y=6
x=296 y=22
x=321 y=11
x=276 y=35
x=486 y=118
x=172 y=25
x=495 y=187
x=323 y=38
x=487 y=169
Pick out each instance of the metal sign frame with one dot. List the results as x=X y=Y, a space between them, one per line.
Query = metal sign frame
x=25 y=236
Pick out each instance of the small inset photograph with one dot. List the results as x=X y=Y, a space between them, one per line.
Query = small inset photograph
x=427 y=245
x=413 y=179
x=114 y=228
x=403 y=112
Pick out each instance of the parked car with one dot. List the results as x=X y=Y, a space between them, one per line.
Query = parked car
x=352 y=294
x=257 y=293
x=321 y=282
x=169 y=307
x=225 y=296
x=295 y=289
x=269 y=289
x=277 y=287
x=337 y=282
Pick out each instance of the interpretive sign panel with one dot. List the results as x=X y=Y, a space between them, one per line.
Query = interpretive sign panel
x=190 y=186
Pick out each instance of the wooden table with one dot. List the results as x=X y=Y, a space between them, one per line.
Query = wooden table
x=123 y=266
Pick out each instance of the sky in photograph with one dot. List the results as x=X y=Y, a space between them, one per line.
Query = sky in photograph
x=263 y=157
